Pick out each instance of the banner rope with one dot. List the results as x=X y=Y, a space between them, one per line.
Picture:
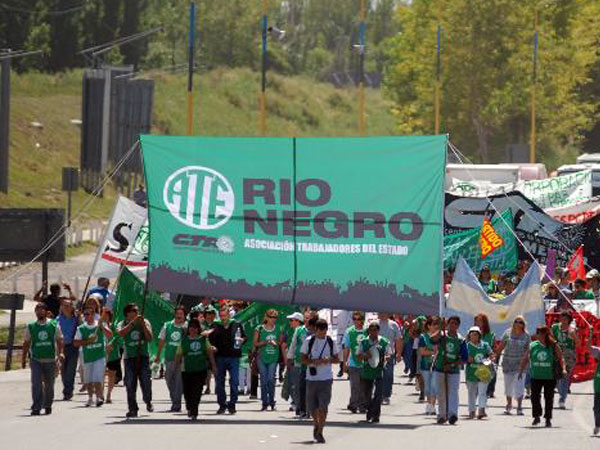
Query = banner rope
x=88 y=203
x=458 y=154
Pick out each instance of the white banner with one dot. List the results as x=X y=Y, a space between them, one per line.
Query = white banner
x=555 y=192
x=125 y=242
x=577 y=212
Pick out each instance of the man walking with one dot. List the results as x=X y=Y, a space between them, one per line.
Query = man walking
x=170 y=340
x=293 y=357
x=136 y=333
x=375 y=352
x=227 y=337
x=319 y=352
x=68 y=322
x=44 y=339
x=390 y=330
x=352 y=339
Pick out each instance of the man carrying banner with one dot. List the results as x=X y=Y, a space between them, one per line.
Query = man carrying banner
x=170 y=339
x=44 y=339
x=352 y=339
x=319 y=352
x=227 y=337
x=375 y=352
x=136 y=332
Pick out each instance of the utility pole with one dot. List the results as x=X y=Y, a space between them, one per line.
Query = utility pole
x=438 y=81
x=362 y=115
x=533 y=90
x=4 y=120
x=190 y=87
x=263 y=89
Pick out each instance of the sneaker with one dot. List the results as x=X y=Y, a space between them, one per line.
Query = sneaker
x=373 y=420
x=421 y=397
x=428 y=409
x=99 y=402
x=536 y=421
x=320 y=439
x=264 y=407
x=131 y=414
x=221 y=410
x=35 y=412
x=548 y=423
x=471 y=415
x=67 y=398
x=453 y=420
x=231 y=409
x=175 y=409
x=482 y=414
x=48 y=411
x=561 y=405
x=273 y=407
x=108 y=401
x=291 y=409
x=90 y=402
x=149 y=407
x=441 y=420
x=194 y=418
x=520 y=412
x=596 y=430
x=385 y=401
x=507 y=411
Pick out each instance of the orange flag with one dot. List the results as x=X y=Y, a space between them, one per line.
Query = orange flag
x=489 y=240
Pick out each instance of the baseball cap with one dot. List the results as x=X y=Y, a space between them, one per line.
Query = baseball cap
x=475 y=328
x=296 y=316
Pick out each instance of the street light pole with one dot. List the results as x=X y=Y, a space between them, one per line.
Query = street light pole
x=438 y=74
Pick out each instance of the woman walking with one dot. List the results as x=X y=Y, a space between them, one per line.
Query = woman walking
x=488 y=336
x=515 y=344
x=267 y=340
x=546 y=360
x=426 y=351
x=478 y=351
x=113 y=353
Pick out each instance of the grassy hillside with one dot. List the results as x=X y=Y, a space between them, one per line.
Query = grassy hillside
x=226 y=104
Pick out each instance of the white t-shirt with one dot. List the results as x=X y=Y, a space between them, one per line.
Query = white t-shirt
x=320 y=349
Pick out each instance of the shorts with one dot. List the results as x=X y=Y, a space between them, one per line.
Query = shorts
x=113 y=365
x=93 y=372
x=513 y=387
x=318 y=395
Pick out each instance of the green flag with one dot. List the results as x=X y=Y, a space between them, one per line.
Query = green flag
x=156 y=309
x=347 y=223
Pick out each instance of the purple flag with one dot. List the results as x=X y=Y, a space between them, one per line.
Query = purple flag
x=551 y=263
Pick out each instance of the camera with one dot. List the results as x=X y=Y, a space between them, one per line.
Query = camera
x=312 y=370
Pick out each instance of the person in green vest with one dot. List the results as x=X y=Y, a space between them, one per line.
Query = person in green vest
x=294 y=351
x=580 y=292
x=488 y=284
x=426 y=352
x=91 y=338
x=352 y=365
x=208 y=324
x=113 y=353
x=169 y=339
x=542 y=356
x=565 y=334
x=595 y=352
x=136 y=332
x=267 y=341
x=478 y=351
x=293 y=356
x=446 y=367
x=193 y=354
x=482 y=321
x=375 y=352
x=44 y=339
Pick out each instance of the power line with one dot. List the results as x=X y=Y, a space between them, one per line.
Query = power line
x=17 y=10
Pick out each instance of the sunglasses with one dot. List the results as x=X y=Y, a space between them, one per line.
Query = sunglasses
x=520 y=322
x=272 y=317
x=357 y=318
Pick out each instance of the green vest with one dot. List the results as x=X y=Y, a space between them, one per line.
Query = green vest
x=478 y=353
x=449 y=354
x=300 y=337
x=116 y=343
x=356 y=337
x=368 y=372
x=269 y=353
x=426 y=361
x=43 y=340
x=132 y=343
x=563 y=338
x=489 y=338
x=195 y=354
x=173 y=335
x=542 y=361
x=95 y=351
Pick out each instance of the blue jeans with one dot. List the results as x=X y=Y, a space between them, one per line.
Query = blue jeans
x=388 y=378
x=69 y=369
x=138 y=370
x=267 y=382
x=294 y=374
x=232 y=365
x=42 y=384
x=440 y=389
x=563 y=386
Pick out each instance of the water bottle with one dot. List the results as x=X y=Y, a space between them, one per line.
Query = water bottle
x=237 y=340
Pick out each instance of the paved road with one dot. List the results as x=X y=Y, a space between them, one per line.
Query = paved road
x=72 y=426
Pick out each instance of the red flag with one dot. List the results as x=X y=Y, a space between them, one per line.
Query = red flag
x=576 y=265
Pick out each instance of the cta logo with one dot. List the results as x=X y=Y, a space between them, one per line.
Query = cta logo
x=199 y=197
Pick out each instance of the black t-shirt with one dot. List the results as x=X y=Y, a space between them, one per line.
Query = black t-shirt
x=53 y=304
x=223 y=339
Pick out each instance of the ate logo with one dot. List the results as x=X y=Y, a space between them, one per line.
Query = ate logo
x=199 y=197
x=450 y=347
x=42 y=335
x=479 y=358
x=542 y=356
x=195 y=346
x=176 y=336
x=135 y=335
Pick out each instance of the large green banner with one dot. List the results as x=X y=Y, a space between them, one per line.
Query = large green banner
x=156 y=309
x=352 y=223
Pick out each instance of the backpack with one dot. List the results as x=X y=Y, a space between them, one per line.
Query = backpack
x=311 y=342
